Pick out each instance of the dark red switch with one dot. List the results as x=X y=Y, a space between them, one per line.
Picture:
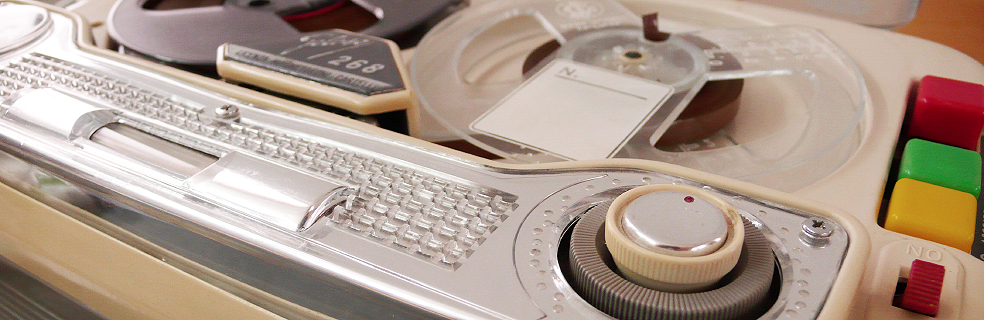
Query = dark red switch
x=948 y=111
x=922 y=292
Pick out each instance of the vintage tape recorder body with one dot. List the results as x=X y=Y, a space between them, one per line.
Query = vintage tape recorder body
x=140 y=191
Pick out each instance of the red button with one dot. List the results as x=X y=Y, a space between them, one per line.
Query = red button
x=922 y=293
x=948 y=111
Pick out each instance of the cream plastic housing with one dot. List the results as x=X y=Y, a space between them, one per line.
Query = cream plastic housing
x=335 y=97
x=875 y=13
x=419 y=275
x=662 y=270
x=35 y=234
x=329 y=95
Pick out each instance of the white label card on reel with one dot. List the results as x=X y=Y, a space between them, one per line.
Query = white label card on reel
x=574 y=110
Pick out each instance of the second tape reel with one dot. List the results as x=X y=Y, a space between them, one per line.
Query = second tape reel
x=187 y=33
x=554 y=80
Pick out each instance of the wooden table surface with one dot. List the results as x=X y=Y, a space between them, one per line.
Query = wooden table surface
x=958 y=24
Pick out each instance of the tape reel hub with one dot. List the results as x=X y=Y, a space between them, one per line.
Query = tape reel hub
x=673 y=62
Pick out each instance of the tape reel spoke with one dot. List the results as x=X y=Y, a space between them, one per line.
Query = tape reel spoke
x=567 y=19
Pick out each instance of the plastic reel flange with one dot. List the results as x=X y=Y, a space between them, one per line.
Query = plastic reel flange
x=22 y=25
x=190 y=36
x=474 y=51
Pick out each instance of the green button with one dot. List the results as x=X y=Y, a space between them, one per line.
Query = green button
x=942 y=165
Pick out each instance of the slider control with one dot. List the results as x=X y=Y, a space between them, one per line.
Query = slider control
x=923 y=289
x=673 y=238
x=59 y=113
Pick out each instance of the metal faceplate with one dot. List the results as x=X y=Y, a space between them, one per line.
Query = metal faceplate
x=444 y=235
x=808 y=264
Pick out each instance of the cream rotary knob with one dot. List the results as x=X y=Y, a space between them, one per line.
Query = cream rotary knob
x=673 y=238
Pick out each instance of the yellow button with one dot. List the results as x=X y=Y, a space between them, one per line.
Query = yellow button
x=934 y=213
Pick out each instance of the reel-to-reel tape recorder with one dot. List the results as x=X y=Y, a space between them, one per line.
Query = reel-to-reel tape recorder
x=142 y=191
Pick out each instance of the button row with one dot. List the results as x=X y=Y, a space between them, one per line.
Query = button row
x=939 y=179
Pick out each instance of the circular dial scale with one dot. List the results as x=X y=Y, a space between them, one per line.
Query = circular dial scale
x=567 y=267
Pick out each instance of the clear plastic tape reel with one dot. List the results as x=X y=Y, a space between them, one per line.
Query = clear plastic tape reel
x=799 y=110
x=21 y=25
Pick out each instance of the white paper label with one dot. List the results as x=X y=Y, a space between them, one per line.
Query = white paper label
x=574 y=111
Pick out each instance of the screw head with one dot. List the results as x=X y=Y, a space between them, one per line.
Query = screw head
x=227 y=111
x=818 y=227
